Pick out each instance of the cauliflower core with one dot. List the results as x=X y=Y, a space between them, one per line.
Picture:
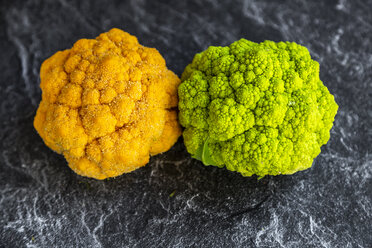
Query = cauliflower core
x=107 y=104
x=255 y=108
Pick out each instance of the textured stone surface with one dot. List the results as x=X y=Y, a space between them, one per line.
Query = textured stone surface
x=175 y=201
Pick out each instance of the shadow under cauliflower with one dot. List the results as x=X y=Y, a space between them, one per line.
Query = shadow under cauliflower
x=256 y=108
x=107 y=104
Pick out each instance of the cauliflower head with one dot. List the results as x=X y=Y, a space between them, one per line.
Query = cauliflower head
x=256 y=108
x=107 y=104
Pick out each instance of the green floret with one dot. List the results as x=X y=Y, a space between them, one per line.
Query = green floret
x=255 y=108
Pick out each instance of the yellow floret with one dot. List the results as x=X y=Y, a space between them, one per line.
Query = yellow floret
x=107 y=104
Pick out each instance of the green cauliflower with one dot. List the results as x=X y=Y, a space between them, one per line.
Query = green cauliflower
x=256 y=108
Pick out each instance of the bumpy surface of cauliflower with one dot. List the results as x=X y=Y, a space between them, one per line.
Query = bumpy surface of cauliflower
x=255 y=108
x=107 y=104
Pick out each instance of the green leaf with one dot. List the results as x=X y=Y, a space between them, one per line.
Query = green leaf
x=172 y=194
x=199 y=153
x=203 y=154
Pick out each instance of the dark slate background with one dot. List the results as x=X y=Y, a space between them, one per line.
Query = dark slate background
x=175 y=201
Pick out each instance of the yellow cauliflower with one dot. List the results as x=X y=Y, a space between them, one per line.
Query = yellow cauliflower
x=107 y=104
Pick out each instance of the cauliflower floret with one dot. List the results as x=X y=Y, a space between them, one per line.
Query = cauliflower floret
x=255 y=108
x=107 y=104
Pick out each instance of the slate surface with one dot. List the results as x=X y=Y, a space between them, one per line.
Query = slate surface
x=44 y=204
